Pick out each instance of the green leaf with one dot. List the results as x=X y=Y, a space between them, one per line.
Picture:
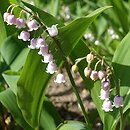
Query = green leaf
x=49 y=116
x=8 y=99
x=14 y=52
x=33 y=81
x=121 y=66
x=72 y=125
x=11 y=79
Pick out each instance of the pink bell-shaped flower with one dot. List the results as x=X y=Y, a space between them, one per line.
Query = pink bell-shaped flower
x=40 y=42
x=107 y=105
x=5 y=16
x=33 y=44
x=87 y=71
x=60 y=78
x=106 y=84
x=53 y=31
x=20 y=23
x=101 y=74
x=118 y=101
x=94 y=75
x=48 y=58
x=32 y=25
x=104 y=94
x=43 y=50
x=51 y=68
x=24 y=35
x=11 y=19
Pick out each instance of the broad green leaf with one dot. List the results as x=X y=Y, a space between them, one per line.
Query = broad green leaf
x=121 y=66
x=50 y=118
x=11 y=79
x=33 y=81
x=8 y=99
x=2 y=30
x=14 y=52
x=72 y=125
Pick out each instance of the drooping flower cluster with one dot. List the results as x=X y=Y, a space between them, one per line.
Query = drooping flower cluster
x=102 y=75
x=36 y=43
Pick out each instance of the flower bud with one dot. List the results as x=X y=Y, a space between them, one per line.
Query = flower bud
x=20 y=23
x=101 y=74
x=104 y=94
x=87 y=71
x=60 y=78
x=40 y=42
x=48 y=58
x=90 y=58
x=94 y=75
x=24 y=35
x=106 y=84
x=51 y=68
x=118 y=101
x=33 y=44
x=107 y=105
x=43 y=50
x=32 y=25
x=74 y=68
x=5 y=16
x=11 y=19
x=53 y=31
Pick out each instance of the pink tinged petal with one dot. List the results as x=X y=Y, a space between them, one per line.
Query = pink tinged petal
x=11 y=19
x=5 y=16
x=94 y=75
x=60 y=78
x=33 y=44
x=106 y=84
x=53 y=31
x=107 y=105
x=51 y=68
x=24 y=35
x=48 y=58
x=43 y=50
x=40 y=42
x=87 y=71
x=118 y=101
x=32 y=25
x=104 y=94
x=101 y=74
x=20 y=23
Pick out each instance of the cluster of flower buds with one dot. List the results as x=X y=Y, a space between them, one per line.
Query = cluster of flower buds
x=36 y=43
x=103 y=76
x=112 y=33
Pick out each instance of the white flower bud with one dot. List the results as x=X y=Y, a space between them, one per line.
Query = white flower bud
x=118 y=101
x=107 y=105
x=106 y=84
x=51 y=68
x=48 y=58
x=87 y=71
x=60 y=78
x=24 y=35
x=74 y=68
x=104 y=94
x=33 y=44
x=32 y=25
x=43 y=50
x=53 y=31
x=90 y=58
x=20 y=23
x=94 y=75
x=40 y=42
x=101 y=74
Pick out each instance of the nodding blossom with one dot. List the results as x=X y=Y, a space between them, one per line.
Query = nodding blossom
x=87 y=71
x=53 y=31
x=104 y=94
x=101 y=74
x=94 y=75
x=5 y=16
x=118 y=101
x=48 y=58
x=90 y=58
x=33 y=43
x=24 y=35
x=107 y=105
x=51 y=67
x=60 y=78
x=43 y=50
x=11 y=19
x=106 y=84
x=40 y=42
x=20 y=23
x=32 y=25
